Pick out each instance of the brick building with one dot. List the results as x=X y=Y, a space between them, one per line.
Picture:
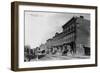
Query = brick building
x=75 y=38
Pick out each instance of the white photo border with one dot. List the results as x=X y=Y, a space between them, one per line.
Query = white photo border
x=34 y=64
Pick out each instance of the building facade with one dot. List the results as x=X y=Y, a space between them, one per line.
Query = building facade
x=73 y=40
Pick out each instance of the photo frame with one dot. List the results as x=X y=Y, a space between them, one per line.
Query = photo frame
x=52 y=36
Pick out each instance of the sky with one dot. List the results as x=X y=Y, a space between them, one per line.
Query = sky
x=40 y=26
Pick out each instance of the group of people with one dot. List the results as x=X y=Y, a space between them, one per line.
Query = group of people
x=61 y=50
x=37 y=53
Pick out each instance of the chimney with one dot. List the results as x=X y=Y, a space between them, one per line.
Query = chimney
x=82 y=17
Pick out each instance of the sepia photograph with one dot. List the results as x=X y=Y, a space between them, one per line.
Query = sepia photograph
x=56 y=36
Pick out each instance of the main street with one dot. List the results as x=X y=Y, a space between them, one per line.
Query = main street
x=55 y=57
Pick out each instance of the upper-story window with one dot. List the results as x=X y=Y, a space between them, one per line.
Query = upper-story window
x=77 y=24
x=68 y=29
